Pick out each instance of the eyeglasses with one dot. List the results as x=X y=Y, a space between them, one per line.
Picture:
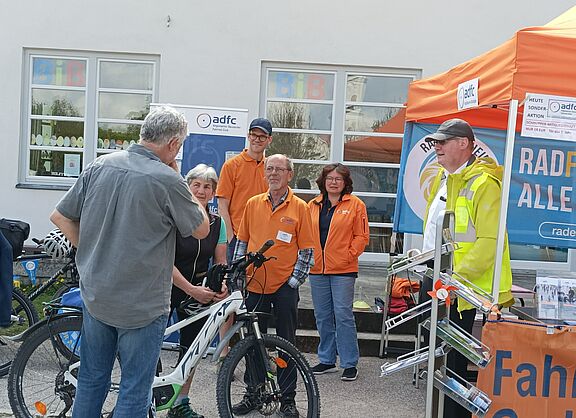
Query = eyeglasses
x=334 y=179
x=259 y=138
x=276 y=169
x=441 y=142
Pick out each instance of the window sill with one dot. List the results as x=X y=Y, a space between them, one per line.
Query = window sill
x=37 y=186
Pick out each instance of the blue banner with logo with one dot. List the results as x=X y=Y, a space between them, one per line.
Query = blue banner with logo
x=214 y=136
x=541 y=202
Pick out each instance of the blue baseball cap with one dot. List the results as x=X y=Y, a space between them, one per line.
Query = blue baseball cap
x=263 y=124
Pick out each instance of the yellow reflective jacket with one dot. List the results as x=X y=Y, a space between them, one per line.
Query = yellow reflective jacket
x=474 y=196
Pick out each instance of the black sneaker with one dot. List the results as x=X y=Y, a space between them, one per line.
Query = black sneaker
x=349 y=374
x=324 y=368
x=288 y=410
x=246 y=405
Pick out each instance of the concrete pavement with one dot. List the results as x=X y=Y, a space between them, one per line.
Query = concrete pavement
x=370 y=396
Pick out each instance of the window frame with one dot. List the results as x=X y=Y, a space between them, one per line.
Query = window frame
x=339 y=104
x=91 y=117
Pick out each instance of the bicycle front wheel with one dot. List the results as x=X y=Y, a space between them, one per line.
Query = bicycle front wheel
x=242 y=377
x=24 y=315
x=42 y=377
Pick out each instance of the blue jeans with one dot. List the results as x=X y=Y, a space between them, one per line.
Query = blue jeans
x=5 y=281
x=138 y=350
x=333 y=297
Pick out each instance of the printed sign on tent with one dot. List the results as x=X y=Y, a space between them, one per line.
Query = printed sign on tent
x=552 y=117
x=467 y=94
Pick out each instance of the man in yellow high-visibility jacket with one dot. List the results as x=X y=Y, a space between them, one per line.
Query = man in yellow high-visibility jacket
x=471 y=187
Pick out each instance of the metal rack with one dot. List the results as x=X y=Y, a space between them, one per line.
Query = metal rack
x=400 y=265
x=441 y=380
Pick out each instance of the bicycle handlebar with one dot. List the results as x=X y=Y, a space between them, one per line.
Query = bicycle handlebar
x=218 y=272
x=252 y=258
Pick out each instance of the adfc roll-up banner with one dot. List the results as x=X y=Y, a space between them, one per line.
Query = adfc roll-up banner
x=214 y=135
x=541 y=202
x=532 y=373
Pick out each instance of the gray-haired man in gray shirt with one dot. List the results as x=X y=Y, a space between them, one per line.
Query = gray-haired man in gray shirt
x=122 y=214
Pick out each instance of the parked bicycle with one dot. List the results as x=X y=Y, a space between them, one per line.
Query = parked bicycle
x=55 y=246
x=42 y=379
x=24 y=314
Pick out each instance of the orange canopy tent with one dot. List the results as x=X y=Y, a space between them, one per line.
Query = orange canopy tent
x=536 y=60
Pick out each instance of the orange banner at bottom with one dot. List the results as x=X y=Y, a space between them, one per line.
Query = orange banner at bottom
x=532 y=372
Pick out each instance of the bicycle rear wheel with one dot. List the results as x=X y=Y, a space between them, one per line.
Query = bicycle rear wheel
x=292 y=377
x=24 y=315
x=43 y=375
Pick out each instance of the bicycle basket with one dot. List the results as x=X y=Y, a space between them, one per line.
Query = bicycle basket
x=56 y=244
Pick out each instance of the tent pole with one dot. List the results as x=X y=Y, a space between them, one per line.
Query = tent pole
x=508 y=154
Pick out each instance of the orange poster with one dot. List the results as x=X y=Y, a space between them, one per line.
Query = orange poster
x=533 y=370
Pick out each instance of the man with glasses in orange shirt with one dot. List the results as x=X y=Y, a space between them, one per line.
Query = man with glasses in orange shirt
x=285 y=218
x=241 y=178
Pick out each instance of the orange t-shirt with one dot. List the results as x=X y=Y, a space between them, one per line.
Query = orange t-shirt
x=290 y=226
x=241 y=178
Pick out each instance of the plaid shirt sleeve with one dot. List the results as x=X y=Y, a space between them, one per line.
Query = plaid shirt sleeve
x=302 y=267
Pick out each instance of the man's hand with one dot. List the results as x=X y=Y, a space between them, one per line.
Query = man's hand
x=202 y=294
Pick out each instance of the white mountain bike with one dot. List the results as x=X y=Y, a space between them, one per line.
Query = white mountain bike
x=42 y=380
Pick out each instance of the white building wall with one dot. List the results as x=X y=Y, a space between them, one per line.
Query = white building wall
x=211 y=52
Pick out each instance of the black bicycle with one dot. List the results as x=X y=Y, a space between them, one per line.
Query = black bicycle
x=24 y=314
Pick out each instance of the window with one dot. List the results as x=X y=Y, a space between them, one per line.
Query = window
x=80 y=106
x=353 y=115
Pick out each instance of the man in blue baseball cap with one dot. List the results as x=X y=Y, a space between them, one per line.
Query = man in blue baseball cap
x=243 y=177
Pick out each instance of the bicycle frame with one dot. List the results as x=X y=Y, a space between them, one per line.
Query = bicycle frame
x=166 y=388
x=59 y=275
x=217 y=314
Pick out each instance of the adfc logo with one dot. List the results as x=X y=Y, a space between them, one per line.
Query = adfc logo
x=421 y=170
x=204 y=120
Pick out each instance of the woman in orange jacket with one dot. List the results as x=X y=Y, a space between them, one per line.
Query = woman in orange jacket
x=340 y=226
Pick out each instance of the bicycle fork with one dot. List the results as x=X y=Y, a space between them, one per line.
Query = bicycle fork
x=266 y=364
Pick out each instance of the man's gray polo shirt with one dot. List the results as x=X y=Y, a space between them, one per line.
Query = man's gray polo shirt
x=129 y=205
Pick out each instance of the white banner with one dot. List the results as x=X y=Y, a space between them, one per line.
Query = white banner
x=552 y=117
x=218 y=121
x=467 y=94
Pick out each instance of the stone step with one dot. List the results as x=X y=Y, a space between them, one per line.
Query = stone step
x=369 y=326
x=368 y=343
x=370 y=322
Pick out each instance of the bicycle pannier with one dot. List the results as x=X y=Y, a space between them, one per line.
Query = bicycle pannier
x=16 y=232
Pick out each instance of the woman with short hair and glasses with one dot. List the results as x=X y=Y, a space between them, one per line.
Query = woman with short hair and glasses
x=192 y=259
x=340 y=226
